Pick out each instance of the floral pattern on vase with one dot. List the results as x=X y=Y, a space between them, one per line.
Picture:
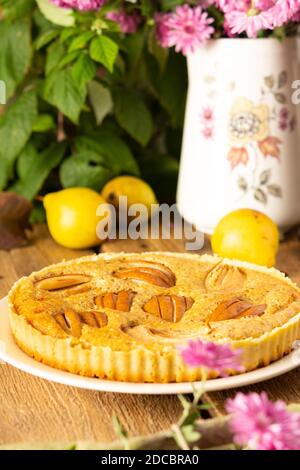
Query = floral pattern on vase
x=251 y=137
x=248 y=122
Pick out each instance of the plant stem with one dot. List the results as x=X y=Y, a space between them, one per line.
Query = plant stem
x=61 y=135
x=179 y=437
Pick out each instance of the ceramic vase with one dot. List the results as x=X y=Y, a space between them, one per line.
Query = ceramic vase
x=241 y=136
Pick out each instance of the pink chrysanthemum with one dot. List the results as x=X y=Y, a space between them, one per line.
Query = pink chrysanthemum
x=83 y=5
x=261 y=424
x=207 y=3
x=284 y=11
x=250 y=22
x=185 y=29
x=218 y=357
x=162 y=29
x=234 y=5
x=263 y=5
x=296 y=17
x=128 y=23
x=243 y=17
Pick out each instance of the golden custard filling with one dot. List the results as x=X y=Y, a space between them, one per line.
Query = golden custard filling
x=144 y=305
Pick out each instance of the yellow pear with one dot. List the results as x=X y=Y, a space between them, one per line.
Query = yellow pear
x=71 y=217
x=135 y=189
x=247 y=235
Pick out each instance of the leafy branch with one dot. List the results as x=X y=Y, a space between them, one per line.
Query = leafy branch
x=74 y=77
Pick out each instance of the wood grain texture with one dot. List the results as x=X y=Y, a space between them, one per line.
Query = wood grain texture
x=287 y=386
x=35 y=410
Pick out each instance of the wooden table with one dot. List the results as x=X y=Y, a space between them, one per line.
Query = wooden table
x=36 y=410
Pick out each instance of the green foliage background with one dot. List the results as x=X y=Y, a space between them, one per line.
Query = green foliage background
x=85 y=102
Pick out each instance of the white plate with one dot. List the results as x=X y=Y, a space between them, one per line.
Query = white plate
x=11 y=354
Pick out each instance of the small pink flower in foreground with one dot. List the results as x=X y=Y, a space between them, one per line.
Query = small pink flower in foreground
x=261 y=424
x=83 y=5
x=217 y=357
x=128 y=23
x=185 y=29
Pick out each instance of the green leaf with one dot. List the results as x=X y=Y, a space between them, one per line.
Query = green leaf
x=73 y=447
x=41 y=22
x=38 y=166
x=68 y=58
x=45 y=38
x=60 y=16
x=80 y=41
x=62 y=91
x=105 y=51
x=25 y=160
x=15 y=130
x=15 y=9
x=54 y=54
x=118 y=428
x=133 y=115
x=190 y=434
x=84 y=69
x=43 y=123
x=38 y=214
x=15 y=53
x=206 y=406
x=157 y=168
x=114 y=150
x=134 y=44
x=147 y=7
x=67 y=33
x=100 y=99
x=170 y=4
x=172 y=86
x=120 y=432
x=84 y=169
x=160 y=53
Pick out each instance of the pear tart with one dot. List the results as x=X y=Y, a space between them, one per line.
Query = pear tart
x=122 y=316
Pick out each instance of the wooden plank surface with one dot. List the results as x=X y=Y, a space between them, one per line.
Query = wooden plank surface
x=287 y=386
x=35 y=410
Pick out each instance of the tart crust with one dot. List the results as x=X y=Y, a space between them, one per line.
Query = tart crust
x=181 y=292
